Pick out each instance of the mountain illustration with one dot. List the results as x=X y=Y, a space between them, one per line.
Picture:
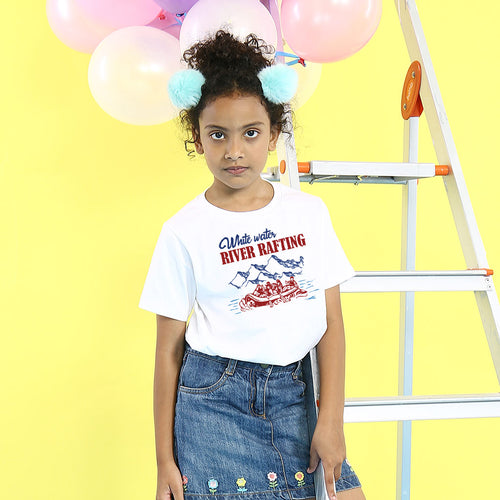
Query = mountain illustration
x=274 y=269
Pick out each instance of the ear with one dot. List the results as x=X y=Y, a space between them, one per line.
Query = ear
x=197 y=143
x=273 y=139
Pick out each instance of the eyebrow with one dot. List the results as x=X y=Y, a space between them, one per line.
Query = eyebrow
x=248 y=125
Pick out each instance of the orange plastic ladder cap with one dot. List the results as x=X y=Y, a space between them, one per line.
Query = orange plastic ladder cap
x=489 y=272
x=304 y=167
x=442 y=169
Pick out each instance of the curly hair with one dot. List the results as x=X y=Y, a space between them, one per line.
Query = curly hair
x=229 y=67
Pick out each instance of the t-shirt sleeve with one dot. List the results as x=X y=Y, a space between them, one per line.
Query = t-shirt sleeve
x=170 y=287
x=337 y=267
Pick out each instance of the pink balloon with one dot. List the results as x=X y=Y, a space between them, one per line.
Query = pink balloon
x=73 y=27
x=329 y=30
x=120 y=13
x=176 y=6
x=167 y=22
x=240 y=17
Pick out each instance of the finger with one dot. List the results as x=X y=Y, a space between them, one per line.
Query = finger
x=338 y=471
x=177 y=491
x=330 y=482
x=164 y=494
x=313 y=462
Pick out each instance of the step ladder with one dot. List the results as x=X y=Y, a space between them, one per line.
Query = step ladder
x=420 y=91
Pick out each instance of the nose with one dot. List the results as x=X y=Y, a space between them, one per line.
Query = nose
x=234 y=150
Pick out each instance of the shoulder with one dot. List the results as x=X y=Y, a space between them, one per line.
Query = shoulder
x=189 y=214
x=299 y=198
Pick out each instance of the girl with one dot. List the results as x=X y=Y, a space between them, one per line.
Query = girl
x=258 y=267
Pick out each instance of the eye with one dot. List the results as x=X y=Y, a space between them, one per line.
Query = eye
x=252 y=133
x=217 y=135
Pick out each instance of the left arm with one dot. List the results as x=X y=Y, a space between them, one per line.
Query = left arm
x=328 y=444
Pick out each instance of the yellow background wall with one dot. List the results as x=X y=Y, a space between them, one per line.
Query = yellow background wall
x=83 y=197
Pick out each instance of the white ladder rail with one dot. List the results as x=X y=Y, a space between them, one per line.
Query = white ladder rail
x=407 y=300
x=287 y=155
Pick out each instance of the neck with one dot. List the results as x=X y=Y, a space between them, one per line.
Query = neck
x=240 y=200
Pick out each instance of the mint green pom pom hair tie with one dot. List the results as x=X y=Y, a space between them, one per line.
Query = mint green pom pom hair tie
x=279 y=83
x=184 y=88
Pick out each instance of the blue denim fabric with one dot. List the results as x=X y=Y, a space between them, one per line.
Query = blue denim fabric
x=241 y=429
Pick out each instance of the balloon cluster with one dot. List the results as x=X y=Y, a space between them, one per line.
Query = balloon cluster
x=136 y=45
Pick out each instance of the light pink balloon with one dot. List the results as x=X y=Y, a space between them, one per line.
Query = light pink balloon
x=73 y=27
x=329 y=30
x=121 y=13
x=129 y=73
x=240 y=17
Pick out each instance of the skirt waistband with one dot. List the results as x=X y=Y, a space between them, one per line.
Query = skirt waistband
x=232 y=364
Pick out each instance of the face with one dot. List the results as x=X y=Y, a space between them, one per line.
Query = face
x=235 y=137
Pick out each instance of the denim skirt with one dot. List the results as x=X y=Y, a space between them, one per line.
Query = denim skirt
x=241 y=429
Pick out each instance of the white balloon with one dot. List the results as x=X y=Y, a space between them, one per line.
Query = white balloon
x=129 y=73
x=240 y=17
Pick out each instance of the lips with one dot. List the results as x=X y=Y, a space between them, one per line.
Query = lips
x=236 y=170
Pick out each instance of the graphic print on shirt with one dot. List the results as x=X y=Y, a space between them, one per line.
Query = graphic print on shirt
x=271 y=294
x=271 y=280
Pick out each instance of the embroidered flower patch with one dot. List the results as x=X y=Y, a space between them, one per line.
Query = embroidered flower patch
x=241 y=482
x=272 y=476
x=185 y=482
x=299 y=476
x=213 y=484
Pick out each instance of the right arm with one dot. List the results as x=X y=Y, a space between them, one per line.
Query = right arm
x=169 y=354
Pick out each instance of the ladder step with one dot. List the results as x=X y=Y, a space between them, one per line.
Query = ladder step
x=399 y=171
x=422 y=408
x=374 y=172
x=419 y=281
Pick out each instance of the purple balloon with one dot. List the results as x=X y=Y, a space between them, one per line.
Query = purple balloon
x=272 y=7
x=176 y=6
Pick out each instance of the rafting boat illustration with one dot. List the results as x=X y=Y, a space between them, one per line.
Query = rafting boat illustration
x=272 y=294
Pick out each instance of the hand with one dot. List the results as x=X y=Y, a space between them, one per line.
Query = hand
x=169 y=483
x=328 y=445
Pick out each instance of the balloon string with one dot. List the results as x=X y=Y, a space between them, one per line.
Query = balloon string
x=295 y=59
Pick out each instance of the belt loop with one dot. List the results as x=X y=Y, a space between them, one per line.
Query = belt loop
x=297 y=369
x=231 y=366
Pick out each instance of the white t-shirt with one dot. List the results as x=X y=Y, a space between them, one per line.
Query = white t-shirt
x=254 y=281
